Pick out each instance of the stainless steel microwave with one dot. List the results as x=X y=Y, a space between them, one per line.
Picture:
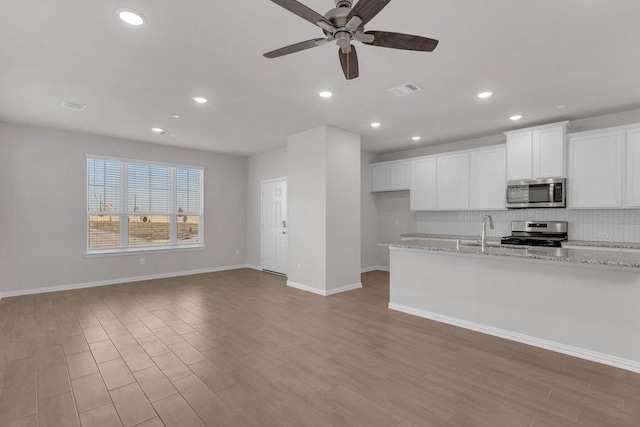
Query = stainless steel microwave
x=537 y=193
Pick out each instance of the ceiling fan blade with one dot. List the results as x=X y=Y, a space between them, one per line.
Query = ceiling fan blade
x=401 y=41
x=349 y=62
x=296 y=47
x=367 y=9
x=302 y=11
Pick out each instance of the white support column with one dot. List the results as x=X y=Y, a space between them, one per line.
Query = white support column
x=324 y=210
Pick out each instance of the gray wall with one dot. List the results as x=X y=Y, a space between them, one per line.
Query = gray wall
x=269 y=165
x=43 y=210
x=394 y=219
x=369 y=216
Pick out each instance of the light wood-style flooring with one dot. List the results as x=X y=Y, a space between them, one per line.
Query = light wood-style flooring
x=239 y=348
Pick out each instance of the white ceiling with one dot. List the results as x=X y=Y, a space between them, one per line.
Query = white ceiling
x=534 y=55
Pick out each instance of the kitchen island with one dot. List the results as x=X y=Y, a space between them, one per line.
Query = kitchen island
x=582 y=302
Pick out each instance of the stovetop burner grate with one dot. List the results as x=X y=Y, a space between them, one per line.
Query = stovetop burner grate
x=541 y=233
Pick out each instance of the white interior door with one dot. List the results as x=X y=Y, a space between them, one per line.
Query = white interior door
x=274 y=226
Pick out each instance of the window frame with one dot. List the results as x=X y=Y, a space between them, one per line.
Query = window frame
x=123 y=211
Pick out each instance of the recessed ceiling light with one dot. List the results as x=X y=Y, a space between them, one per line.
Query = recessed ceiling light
x=325 y=94
x=156 y=130
x=200 y=99
x=375 y=125
x=416 y=138
x=131 y=17
x=485 y=94
x=175 y=116
x=516 y=117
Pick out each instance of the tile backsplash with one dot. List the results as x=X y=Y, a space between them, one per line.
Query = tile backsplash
x=614 y=225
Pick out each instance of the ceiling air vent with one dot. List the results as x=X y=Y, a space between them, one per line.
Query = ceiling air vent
x=405 y=89
x=73 y=106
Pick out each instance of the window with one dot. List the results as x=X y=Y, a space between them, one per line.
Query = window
x=133 y=205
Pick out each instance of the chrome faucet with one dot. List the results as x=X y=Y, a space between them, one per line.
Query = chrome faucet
x=483 y=239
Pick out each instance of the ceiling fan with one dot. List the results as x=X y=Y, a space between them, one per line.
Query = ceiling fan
x=345 y=23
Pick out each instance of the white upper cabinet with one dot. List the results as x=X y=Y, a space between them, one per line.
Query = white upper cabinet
x=549 y=152
x=537 y=152
x=423 y=184
x=380 y=177
x=391 y=176
x=401 y=175
x=519 y=155
x=633 y=168
x=487 y=173
x=453 y=182
x=595 y=169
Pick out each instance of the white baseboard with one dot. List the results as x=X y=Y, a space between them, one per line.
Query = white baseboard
x=254 y=267
x=322 y=292
x=117 y=281
x=305 y=288
x=344 y=288
x=375 y=268
x=606 y=359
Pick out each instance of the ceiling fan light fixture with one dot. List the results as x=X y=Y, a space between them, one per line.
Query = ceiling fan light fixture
x=515 y=117
x=484 y=95
x=131 y=17
x=325 y=94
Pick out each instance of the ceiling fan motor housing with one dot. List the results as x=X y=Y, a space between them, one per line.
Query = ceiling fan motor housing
x=338 y=16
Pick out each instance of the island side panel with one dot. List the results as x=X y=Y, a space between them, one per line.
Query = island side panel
x=593 y=309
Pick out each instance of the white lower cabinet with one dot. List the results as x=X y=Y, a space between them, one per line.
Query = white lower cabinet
x=422 y=196
x=595 y=169
x=453 y=182
x=487 y=176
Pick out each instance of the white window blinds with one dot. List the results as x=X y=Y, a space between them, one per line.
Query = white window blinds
x=133 y=205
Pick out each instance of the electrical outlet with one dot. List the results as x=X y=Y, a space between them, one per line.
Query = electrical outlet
x=397 y=222
x=142 y=261
x=237 y=252
x=299 y=266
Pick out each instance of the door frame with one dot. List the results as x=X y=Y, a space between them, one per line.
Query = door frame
x=262 y=183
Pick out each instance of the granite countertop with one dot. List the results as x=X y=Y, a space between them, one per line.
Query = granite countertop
x=586 y=243
x=620 y=258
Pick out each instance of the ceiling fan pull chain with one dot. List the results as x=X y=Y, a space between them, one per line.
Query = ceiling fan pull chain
x=348 y=64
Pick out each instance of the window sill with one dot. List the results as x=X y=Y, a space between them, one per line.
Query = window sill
x=142 y=250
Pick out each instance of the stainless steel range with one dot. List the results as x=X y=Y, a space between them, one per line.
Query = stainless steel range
x=537 y=233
